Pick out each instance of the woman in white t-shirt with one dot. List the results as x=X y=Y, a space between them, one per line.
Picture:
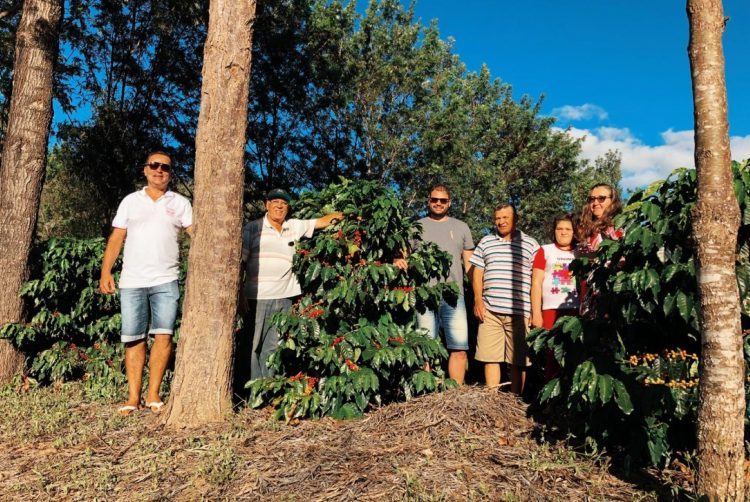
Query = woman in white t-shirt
x=553 y=287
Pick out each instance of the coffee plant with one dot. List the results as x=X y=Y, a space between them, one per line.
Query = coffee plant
x=74 y=331
x=630 y=367
x=351 y=341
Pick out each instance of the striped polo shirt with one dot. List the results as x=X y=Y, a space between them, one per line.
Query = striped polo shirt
x=268 y=255
x=507 y=268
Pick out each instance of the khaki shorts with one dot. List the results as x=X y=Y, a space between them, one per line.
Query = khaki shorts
x=502 y=339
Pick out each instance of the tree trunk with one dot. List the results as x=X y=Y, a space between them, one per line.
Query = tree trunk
x=716 y=220
x=24 y=159
x=202 y=386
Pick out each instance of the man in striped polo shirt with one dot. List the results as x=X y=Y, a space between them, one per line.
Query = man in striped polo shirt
x=502 y=298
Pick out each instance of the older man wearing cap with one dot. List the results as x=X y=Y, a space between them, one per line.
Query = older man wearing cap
x=270 y=285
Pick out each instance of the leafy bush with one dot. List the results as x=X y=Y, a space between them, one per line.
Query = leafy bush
x=74 y=331
x=351 y=340
x=630 y=369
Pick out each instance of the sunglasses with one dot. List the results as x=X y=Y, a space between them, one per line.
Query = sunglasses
x=599 y=198
x=156 y=165
x=435 y=200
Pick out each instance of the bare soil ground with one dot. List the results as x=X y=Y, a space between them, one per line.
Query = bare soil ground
x=465 y=444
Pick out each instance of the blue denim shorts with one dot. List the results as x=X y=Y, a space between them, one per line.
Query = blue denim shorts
x=136 y=303
x=453 y=322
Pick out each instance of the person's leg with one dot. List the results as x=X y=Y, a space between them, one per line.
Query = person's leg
x=164 y=300
x=158 y=359
x=517 y=326
x=492 y=374
x=243 y=349
x=457 y=362
x=551 y=368
x=259 y=332
x=456 y=329
x=490 y=348
x=517 y=378
x=270 y=341
x=429 y=321
x=135 y=358
x=134 y=308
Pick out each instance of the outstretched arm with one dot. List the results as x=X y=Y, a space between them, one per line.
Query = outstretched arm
x=326 y=220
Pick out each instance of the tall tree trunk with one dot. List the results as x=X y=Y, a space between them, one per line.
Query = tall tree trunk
x=203 y=375
x=716 y=220
x=24 y=159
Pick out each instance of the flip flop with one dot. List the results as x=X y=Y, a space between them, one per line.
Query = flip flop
x=157 y=405
x=126 y=409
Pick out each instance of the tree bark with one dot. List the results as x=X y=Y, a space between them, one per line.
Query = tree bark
x=716 y=221
x=24 y=159
x=202 y=386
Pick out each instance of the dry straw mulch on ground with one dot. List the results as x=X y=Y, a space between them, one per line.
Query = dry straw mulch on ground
x=465 y=444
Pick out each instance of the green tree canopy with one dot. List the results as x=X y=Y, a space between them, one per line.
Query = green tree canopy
x=379 y=95
x=336 y=90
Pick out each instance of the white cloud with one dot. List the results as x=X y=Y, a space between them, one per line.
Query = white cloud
x=643 y=164
x=740 y=146
x=583 y=112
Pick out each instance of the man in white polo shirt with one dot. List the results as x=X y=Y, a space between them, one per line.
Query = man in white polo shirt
x=149 y=223
x=270 y=285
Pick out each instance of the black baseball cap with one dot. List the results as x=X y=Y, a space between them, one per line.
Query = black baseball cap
x=278 y=193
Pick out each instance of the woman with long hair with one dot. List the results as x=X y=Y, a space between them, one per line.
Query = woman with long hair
x=596 y=224
x=602 y=205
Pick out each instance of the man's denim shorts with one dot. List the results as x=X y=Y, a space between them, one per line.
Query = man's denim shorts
x=136 y=303
x=453 y=322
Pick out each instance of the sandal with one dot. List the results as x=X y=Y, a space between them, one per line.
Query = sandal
x=155 y=406
x=126 y=410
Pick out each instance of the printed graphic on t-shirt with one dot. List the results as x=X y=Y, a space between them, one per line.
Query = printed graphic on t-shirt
x=562 y=279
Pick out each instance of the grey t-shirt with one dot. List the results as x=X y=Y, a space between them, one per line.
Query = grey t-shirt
x=452 y=236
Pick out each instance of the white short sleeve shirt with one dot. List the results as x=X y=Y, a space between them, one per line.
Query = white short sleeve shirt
x=151 y=255
x=269 y=254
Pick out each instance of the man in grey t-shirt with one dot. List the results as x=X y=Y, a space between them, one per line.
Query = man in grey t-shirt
x=454 y=237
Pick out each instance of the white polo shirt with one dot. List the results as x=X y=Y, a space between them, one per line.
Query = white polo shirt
x=151 y=255
x=268 y=254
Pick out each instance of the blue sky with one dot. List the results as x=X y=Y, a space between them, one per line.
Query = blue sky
x=613 y=71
